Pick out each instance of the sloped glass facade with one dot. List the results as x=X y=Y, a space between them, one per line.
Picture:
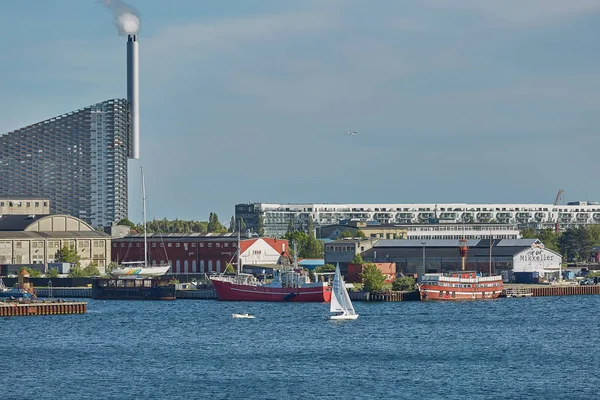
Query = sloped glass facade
x=77 y=160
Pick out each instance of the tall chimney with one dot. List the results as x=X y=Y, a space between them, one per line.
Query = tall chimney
x=133 y=93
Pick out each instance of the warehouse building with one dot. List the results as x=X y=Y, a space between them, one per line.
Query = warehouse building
x=508 y=256
x=33 y=240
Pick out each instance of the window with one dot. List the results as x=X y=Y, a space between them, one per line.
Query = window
x=193 y=244
x=177 y=244
x=217 y=244
x=170 y=245
x=201 y=244
x=137 y=245
x=28 y=204
x=122 y=244
x=210 y=245
x=153 y=244
x=37 y=204
x=225 y=244
x=114 y=245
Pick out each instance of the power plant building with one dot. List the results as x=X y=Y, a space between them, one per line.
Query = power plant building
x=77 y=160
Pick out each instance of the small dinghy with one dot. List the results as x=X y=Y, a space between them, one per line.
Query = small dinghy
x=243 y=316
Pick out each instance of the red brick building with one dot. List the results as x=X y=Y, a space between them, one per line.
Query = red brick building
x=197 y=254
x=388 y=269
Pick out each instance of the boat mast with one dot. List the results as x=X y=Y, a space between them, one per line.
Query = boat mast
x=144 y=213
x=238 y=253
x=295 y=256
x=491 y=242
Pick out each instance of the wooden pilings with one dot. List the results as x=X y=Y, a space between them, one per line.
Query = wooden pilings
x=565 y=290
x=386 y=296
x=21 y=308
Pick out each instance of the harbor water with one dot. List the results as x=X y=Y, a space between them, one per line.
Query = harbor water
x=529 y=348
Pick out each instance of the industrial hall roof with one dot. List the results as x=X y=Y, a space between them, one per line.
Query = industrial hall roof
x=18 y=222
x=400 y=249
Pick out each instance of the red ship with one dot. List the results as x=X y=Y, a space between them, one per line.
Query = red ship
x=460 y=285
x=292 y=285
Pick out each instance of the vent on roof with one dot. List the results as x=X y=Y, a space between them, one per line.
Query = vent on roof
x=32 y=216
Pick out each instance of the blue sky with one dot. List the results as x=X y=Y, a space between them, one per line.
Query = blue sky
x=453 y=100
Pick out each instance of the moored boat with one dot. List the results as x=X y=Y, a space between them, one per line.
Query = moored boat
x=136 y=280
x=290 y=284
x=293 y=286
x=460 y=285
x=132 y=288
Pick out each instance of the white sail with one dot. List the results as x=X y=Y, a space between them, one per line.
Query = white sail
x=336 y=295
x=340 y=300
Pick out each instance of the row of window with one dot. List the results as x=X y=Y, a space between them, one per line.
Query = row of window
x=20 y=204
x=200 y=268
x=185 y=245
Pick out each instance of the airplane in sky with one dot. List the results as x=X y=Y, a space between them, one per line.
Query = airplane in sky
x=351 y=133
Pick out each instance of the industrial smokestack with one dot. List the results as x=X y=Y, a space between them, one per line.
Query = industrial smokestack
x=128 y=23
x=133 y=93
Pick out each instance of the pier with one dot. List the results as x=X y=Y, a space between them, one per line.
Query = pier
x=549 y=290
x=26 y=308
x=384 y=296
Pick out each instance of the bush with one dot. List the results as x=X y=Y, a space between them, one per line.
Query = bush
x=52 y=273
x=406 y=283
x=373 y=278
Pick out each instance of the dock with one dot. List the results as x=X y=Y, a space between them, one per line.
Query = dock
x=522 y=290
x=41 y=307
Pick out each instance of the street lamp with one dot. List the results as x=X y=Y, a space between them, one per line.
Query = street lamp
x=423 y=244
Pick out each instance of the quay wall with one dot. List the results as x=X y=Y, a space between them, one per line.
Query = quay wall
x=22 y=308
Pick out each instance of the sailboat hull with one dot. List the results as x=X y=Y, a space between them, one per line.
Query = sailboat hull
x=343 y=317
x=230 y=291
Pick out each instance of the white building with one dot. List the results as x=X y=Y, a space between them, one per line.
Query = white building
x=537 y=259
x=276 y=217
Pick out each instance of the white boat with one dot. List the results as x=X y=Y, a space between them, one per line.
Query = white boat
x=340 y=300
x=248 y=316
x=141 y=268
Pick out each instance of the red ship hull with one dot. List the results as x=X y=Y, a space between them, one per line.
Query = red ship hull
x=461 y=285
x=229 y=291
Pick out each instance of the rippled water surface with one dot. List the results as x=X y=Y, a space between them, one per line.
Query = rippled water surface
x=535 y=348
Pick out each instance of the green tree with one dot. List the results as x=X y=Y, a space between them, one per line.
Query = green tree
x=576 y=243
x=373 y=278
x=405 y=283
x=52 y=273
x=261 y=226
x=232 y=224
x=67 y=254
x=529 y=233
x=291 y=226
x=357 y=259
x=126 y=222
x=111 y=266
x=242 y=224
x=549 y=238
x=91 y=270
x=345 y=234
x=230 y=270
x=76 y=272
x=325 y=268
x=360 y=234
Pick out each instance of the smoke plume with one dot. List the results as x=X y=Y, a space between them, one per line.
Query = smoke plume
x=127 y=18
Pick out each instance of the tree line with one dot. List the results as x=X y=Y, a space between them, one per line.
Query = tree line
x=574 y=244
x=213 y=225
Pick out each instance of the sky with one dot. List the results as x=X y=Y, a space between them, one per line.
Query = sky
x=250 y=100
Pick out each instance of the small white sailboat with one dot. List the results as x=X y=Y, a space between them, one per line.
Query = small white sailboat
x=141 y=268
x=340 y=300
x=246 y=315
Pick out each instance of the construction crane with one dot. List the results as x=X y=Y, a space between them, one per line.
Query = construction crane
x=559 y=197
